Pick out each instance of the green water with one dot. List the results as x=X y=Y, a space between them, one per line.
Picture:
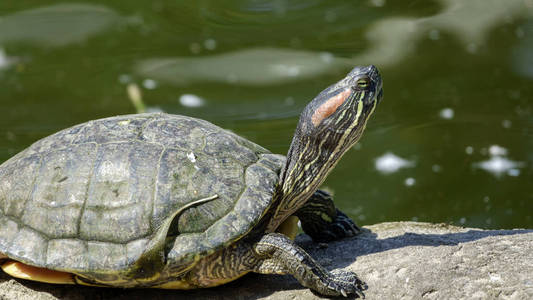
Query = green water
x=458 y=82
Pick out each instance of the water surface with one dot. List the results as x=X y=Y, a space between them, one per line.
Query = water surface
x=451 y=142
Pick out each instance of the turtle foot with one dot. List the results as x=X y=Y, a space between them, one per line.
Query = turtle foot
x=322 y=221
x=341 y=227
x=341 y=282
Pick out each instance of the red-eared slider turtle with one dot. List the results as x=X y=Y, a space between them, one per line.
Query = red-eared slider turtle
x=167 y=201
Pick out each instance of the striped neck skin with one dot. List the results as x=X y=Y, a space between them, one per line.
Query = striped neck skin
x=329 y=125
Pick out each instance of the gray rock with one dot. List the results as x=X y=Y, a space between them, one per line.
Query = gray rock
x=401 y=260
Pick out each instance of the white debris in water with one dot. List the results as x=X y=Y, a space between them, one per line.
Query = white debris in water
x=191 y=157
x=210 y=44
x=446 y=113
x=390 y=163
x=496 y=150
x=469 y=150
x=149 y=84
x=410 y=181
x=436 y=168
x=498 y=165
x=190 y=100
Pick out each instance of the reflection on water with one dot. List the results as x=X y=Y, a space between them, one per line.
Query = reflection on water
x=394 y=38
x=457 y=76
x=56 y=25
x=471 y=20
x=391 y=40
x=258 y=66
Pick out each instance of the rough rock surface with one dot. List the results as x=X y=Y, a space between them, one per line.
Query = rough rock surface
x=401 y=260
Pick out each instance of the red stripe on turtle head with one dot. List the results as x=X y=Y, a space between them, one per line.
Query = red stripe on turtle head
x=330 y=106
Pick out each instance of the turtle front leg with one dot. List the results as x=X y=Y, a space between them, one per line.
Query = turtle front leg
x=273 y=253
x=280 y=255
x=322 y=221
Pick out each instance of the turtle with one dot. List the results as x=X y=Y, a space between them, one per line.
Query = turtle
x=157 y=200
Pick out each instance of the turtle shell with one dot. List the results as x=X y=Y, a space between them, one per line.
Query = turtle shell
x=90 y=199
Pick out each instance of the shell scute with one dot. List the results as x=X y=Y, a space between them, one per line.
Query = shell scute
x=59 y=140
x=67 y=253
x=17 y=178
x=121 y=128
x=228 y=148
x=55 y=205
x=120 y=192
x=105 y=257
x=30 y=246
x=8 y=231
x=178 y=132
x=183 y=179
x=134 y=249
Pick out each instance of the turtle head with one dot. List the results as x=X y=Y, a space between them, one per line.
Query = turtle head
x=329 y=125
x=337 y=116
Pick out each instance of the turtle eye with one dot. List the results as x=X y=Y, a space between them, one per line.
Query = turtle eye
x=363 y=82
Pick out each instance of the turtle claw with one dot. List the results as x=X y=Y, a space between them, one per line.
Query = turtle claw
x=343 y=292
x=345 y=283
